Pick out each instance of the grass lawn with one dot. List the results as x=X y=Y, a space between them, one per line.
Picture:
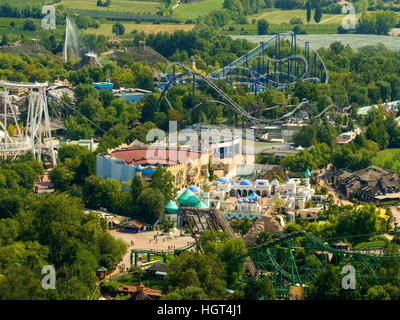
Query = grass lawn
x=196 y=9
x=376 y=243
x=388 y=159
x=106 y=28
x=124 y=6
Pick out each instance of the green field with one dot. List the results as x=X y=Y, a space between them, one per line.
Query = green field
x=106 y=28
x=197 y=9
x=276 y=16
x=5 y=28
x=251 y=29
x=124 y=6
x=24 y=3
x=388 y=159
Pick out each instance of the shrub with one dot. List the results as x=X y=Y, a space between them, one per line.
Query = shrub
x=296 y=21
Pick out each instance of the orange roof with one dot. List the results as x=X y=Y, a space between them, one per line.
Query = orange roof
x=146 y=156
x=145 y=290
x=343 y=2
x=133 y=223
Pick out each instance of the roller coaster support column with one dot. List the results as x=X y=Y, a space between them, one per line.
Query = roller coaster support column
x=194 y=87
x=290 y=60
x=296 y=64
x=276 y=55
x=279 y=57
x=173 y=73
x=307 y=57
x=136 y=258
x=320 y=69
x=292 y=260
x=262 y=54
x=314 y=65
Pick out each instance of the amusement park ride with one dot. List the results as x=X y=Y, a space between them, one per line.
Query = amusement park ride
x=17 y=139
x=277 y=63
x=271 y=63
x=282 y=257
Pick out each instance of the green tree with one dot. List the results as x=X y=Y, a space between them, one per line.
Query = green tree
x=377 y=293
x=9 y=231
x=10 y=203
x=188 y=293
x=137 y=187
x=230 y=251
x=151 y=204
x=164 y=181
x=306 y=137
x=241 y=226
x=118 y=29
x=191 y=268
x=29 y=25
x=262 y=26
x=257 y=288
x=20 y=283
x=61 y=178
x=308 y=7
x=318 y=12
x=86 y=168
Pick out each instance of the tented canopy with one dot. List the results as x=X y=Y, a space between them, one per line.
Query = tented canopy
x=188 y=198
x=171 y=207
x=200 y=205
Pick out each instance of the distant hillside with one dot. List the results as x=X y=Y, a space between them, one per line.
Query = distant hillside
x=29 y=49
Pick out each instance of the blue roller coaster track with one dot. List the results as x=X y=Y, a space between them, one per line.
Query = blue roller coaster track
x=274 y=68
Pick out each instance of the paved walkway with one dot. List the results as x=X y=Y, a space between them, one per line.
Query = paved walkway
x=44 y=185
x=150 y=240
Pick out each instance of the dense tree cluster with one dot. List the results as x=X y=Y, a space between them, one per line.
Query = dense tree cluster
x=205 y=276
x=206 y=43
x=379 y=22
x=36 y=231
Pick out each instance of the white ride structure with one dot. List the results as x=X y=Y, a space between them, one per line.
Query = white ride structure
x=37 y=129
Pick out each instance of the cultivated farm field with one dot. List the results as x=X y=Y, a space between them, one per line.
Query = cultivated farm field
x=106 y=29
x=197 y=9
x=276 y=16
x=124 y=6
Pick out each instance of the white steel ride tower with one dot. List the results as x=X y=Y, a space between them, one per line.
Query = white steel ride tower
x=29 y=138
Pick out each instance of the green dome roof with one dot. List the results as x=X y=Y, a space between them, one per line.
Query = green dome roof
x=200 y=205
x=188 y=198
x=171 y=207
x=307 y=174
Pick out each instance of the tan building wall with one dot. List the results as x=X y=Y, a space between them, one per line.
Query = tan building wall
x=192 y=172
